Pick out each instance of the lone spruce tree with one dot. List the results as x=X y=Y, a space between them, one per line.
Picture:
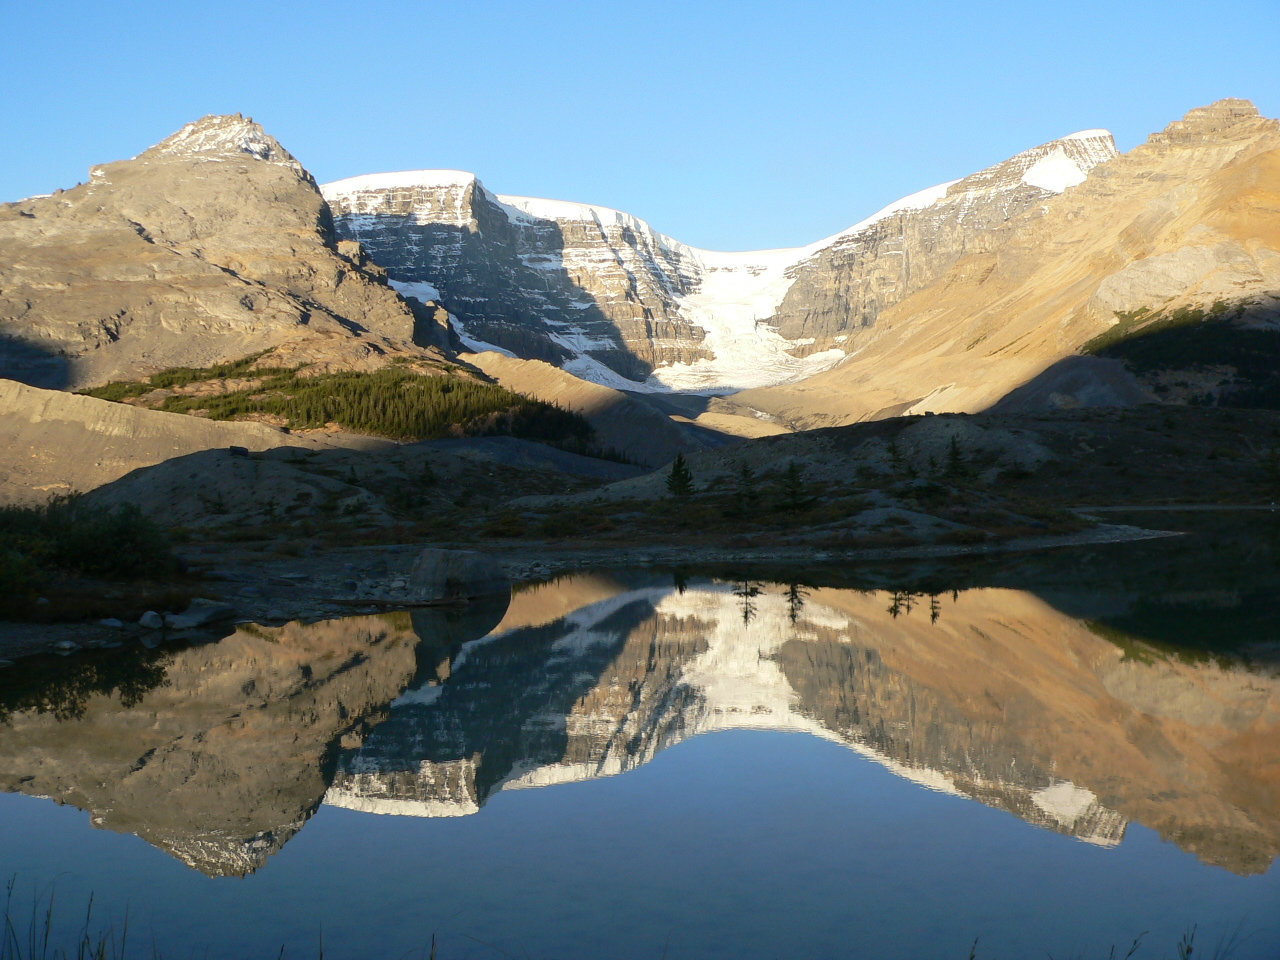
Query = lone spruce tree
x=680 y=480
x=955 y=459
x=793 y=489
x=746 y=493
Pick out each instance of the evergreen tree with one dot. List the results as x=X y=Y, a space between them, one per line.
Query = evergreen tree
x=955 y=459
x=796 y=595
x=746 y=494
x=793 y=489
x=680 y=480
x=746 y=591
x=895 y=455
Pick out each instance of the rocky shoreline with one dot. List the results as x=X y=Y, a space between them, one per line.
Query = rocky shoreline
x=373 y=579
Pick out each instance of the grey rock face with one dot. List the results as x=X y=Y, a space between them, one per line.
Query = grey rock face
x=842 y=288
x=593 y=282
x=210 y=246
x=583 y=286
x=455 y=575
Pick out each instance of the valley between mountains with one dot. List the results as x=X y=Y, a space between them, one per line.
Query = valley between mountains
x=397 y=495
x=265 y=367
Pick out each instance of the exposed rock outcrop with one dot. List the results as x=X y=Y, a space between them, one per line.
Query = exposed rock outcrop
x=456 y=575
x=604 y=295
x=212 y=245
x=1189 y=218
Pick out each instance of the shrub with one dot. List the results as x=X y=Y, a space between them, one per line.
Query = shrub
x=72 y=534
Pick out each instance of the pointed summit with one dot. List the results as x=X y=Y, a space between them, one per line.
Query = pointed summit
x=1230 y=117
x=223 y=137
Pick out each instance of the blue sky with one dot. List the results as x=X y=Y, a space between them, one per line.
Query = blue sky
x=729 y=125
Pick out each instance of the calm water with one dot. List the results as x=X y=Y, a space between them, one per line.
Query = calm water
x=1051 y=756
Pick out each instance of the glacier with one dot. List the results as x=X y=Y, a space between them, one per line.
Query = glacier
x=607 y=297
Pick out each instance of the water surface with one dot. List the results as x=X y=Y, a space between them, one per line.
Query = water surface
x=1054 y=756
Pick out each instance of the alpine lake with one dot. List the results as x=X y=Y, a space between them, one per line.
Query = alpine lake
x=1052 y=753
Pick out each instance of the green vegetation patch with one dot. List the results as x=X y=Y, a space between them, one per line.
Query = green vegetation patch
x=176 y=377
x=1194 y=339
x=71 y=534
x=395 y=402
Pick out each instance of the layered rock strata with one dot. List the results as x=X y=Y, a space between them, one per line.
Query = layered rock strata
x=604 y=295
x=1191 y=218
x=212 y=245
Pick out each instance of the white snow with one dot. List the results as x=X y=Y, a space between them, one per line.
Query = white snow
x=914 y=201
x=738 y=295
x=391 y=181
x=567 y=210
x=474 y=345
x=1088 y=135
x=417 y=289
x=337 y=797
x=1054 y=171
x=592 y=370
x=1064 y=801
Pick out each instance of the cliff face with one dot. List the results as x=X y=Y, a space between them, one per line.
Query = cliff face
x=1191 y=218
x=604 y=295
x=210 y=246
x=840 y=290
x=553 y=282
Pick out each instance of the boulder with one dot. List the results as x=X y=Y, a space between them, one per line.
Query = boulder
x=455 y=575
x=151 y=620
x=200 y=613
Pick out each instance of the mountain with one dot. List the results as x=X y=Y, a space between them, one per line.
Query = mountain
x=212 y=245
x=58 y=443
x=605 y=296
x=1184 y=228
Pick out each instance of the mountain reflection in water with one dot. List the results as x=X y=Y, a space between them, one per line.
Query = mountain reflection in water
x=229 y=747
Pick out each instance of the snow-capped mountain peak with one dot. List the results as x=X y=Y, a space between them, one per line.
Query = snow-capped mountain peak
x=603 y=294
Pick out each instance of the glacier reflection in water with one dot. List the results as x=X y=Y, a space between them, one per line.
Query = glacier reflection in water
x=989 y=693
x=221 y=753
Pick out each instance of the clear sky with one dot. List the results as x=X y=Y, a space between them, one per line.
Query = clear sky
x=728 y=125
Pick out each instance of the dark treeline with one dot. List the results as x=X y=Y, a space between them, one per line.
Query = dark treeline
x=395 y=402
x=68 y=533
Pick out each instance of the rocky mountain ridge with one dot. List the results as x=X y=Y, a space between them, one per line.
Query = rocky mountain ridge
x=1189 y=219
x=212 y=245
x=602 y=294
